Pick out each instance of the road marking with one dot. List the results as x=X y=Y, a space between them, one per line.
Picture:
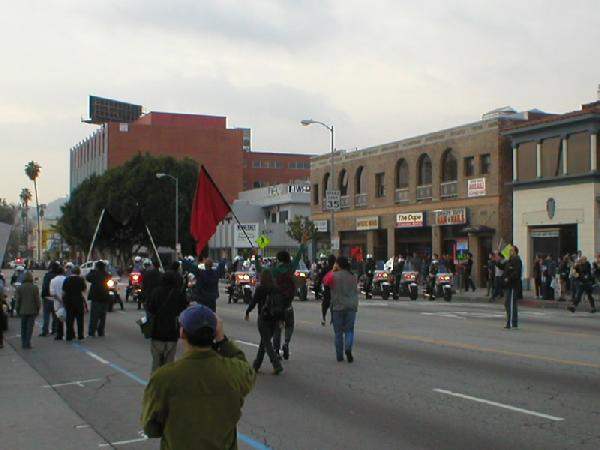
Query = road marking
x=442 y=314
x=251 y=344
x=499 y=405
x=244 y=438
x=79 y=383
x=130 y=441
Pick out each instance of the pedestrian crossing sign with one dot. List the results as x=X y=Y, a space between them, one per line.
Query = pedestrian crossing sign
x=263 y=241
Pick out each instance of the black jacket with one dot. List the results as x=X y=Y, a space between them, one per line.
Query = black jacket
x=258 y=300
x=207 y=287
x=74 y=287
x=151 y=279
x=46 y=284
x=513 y=270
x=165 y=305
x=98 y=287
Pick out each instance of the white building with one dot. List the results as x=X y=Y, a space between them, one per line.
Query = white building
x=264 y=211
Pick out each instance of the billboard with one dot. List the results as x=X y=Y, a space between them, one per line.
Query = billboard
x=104 y=110
x=239 y=237
x=476 y=187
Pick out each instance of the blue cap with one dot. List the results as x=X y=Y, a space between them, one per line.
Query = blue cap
x=197 y=317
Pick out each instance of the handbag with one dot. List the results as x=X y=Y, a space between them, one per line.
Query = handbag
x=61 y=314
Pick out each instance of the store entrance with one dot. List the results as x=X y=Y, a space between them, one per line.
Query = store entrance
x=554 y=241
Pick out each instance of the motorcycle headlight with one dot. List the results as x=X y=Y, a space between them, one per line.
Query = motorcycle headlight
x=110 y=283
x=444 y=278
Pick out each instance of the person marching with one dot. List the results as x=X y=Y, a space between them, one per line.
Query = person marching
x=513 y=270
x=326 y=301
x=585 y=284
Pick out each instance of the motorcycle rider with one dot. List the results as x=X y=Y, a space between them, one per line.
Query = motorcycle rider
x=151 y=279
x=237 y=261
x=434 y=268
x=137 y=267
x=397 y=269
x=369 y=274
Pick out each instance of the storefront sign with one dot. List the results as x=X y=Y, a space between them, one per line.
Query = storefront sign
x=545 y=234
x=367 y=223
x=454 y=216
x=321 y=225
x=239 y=238
x=335 y=244
x=410 y=220
x=298 y=189
x=476 y=187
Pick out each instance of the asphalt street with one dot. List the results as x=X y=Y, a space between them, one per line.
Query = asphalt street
x=427 y=376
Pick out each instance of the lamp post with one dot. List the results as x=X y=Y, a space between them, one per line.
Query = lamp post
x=307 y=122
x=162 y=175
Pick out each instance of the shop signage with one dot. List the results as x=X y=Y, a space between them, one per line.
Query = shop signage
x=335 y=244
x=367 y=223
x=239 y=238
x=410 y=220
x=454 y=216
x=298 y=188
x=545 y=234
x=476 y=187
x=321 y=225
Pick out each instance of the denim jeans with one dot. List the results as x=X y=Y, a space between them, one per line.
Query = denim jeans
x=288 y=325
x=48 y=313
x=27 y=322
x=97 y=318
x=343 y=326
x=266 y=328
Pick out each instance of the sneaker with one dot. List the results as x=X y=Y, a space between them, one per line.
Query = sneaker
x=322 y=323
x=277 y=370
x=571 y=308
x=286 y=352
x=349 y=356
x=507 y=327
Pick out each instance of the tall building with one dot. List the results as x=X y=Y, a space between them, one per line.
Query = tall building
x=226 y=152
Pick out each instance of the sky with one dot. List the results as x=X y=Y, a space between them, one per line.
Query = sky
x=378 y=70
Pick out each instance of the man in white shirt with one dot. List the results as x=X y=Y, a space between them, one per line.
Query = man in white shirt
x=56 y=292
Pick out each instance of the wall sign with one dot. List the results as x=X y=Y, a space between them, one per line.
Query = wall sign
x=476 y=187
x=410 y=220
x=367 y=223
x=239 y=238
x=454 y=216
x=322 y=225
x=545 y=234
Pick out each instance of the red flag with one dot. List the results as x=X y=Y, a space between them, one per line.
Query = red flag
x=209 y=208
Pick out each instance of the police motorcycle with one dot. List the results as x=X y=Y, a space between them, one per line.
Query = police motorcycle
x=134 y=288
x=439 y=282
x=410 y=284
x=301 y=279
x=383 y=280
x=243 y=282
x=368 y=277
x=16 y=280
x=112 y=285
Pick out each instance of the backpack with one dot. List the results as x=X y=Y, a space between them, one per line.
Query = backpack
x=280 y=297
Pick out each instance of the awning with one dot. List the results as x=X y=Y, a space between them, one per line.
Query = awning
x=478 y=229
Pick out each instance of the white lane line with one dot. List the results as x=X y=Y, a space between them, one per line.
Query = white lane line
x=500 y=405
x=251 y=344
x=96 y=357
x=79 y=383
x=442 y=314
x=130 y=441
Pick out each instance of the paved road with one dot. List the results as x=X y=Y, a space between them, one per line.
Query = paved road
x=426 y=376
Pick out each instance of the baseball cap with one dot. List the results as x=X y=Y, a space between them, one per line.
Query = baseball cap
x=197 y=317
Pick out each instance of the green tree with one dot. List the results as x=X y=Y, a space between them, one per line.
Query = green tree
x=300 y=227
x=25 y=197
x=32 y=170
x=7 y=212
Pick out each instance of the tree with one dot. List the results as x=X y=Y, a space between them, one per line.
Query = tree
x=126 y=190
x=32 y=170
x=7 y=212
x=300 y=227
x=25 y=197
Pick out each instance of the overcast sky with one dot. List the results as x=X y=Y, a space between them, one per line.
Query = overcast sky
x=378 y=70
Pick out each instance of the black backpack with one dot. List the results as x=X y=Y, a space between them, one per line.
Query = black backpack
x=280 y=297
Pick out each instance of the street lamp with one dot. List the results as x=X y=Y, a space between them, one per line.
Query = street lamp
x=307 y=122
x=163 y=175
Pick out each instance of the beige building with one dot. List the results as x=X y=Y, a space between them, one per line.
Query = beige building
x=446 y=192
x=556 y=185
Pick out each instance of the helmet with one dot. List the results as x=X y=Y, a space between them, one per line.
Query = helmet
x=20 y=268
x=137 y=259
x=237 y=258
x=369 y=256
x=69 y=265
x=322 y=256
x=189 y=258
x=147 y=262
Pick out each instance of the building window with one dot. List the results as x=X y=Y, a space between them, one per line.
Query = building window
x=401 y=174
x=278 y=165
x=380 y=185
x=359 y=181
x=469 y=166
x=326 y=184
x=283 y=216
x=315 y=194
x=257 y=184
x=449 y=167
x=273 y=217
x=485 y=163
x=343 y=182
x=424 y=168
x=256 y=164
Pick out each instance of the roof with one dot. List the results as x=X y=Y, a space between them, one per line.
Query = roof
x=586 y=110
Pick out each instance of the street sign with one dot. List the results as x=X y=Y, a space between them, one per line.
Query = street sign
x=263 y=241
x=335 y=244
x=332 y=200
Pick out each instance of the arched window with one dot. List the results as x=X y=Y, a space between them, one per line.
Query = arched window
x=359 y=181
x=326 y=183
x=424 y=168
x=449 y=166
x=401 y=174
x=343 y=182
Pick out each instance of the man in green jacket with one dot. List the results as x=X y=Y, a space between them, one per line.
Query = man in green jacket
x=196 y=402
x=28 y=307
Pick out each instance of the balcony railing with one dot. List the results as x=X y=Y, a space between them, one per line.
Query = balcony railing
x=345 y=202
x=401 y=195
x=424 y=192
x=449 y=189
x=360 y=200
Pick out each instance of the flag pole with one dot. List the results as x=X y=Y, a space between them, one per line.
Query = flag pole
x=89 y=255
x=155 y=249
x=227 y=203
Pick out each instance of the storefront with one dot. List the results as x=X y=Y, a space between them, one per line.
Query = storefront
x=412 y=235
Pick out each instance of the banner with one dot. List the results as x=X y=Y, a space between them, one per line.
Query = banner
x=455 y=216
x=476 y=187
x=367 y=223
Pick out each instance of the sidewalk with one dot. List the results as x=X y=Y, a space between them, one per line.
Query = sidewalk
x=33 y=417
x=529 y=300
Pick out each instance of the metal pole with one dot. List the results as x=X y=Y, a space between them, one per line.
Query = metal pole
x=332 y=186
x=176 y=215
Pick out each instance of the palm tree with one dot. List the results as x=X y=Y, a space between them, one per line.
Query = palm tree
x=32 y=170
x=25 y=197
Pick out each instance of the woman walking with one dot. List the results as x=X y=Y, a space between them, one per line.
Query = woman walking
x=28 y=307
x=344 y=305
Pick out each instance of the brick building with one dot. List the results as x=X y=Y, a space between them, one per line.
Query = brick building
x=556 y=185
x=225 y=152
x=445 y=192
